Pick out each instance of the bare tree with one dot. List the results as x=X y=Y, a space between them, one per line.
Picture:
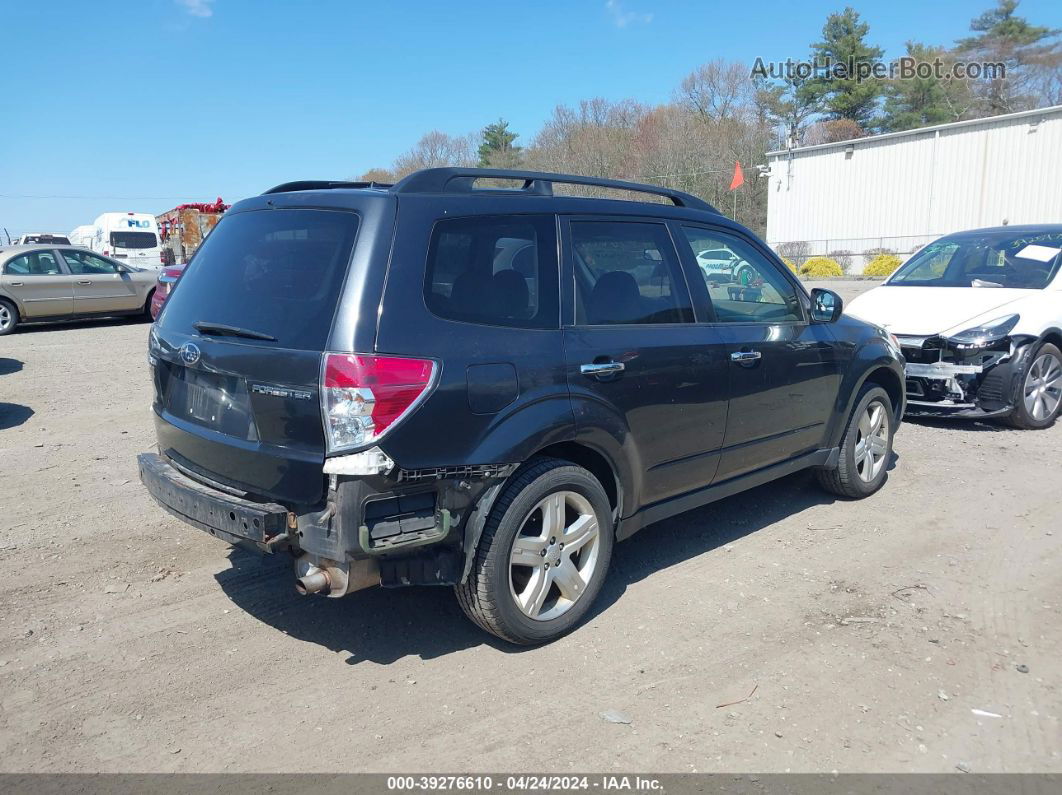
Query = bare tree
x=831 y=131
x=437 y=149
x=691 y=143
x=384 y=175
x=718 y=90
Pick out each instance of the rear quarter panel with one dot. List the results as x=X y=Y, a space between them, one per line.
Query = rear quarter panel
x=466 y=420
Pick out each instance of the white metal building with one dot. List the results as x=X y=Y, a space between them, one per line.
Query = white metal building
x=901 y=190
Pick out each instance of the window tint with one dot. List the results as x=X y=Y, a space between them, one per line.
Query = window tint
x=83 y=262
x=278 y=272
x=1009 y=258
x=929 y=264
x=627 y=272
x=495 y=270
x=38 y=263
x=134 y=239
x=744 y=286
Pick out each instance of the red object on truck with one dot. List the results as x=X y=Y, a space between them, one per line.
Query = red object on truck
x=183 y=228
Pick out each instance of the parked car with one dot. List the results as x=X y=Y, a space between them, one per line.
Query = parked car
x=433 y=383
x=42 y=237
x=979 y=316
x=168 y=277
x=62 y=283
x=723 y=264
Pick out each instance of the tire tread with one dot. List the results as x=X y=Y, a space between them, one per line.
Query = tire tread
x=843 y=480
x=1019 y=418
x=473 y=594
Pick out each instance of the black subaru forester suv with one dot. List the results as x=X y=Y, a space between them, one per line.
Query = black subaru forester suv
x=463 y=379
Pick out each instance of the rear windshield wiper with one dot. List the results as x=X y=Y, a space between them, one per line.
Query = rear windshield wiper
x=233 y=331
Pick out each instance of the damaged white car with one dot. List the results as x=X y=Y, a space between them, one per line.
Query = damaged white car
x=978 y=315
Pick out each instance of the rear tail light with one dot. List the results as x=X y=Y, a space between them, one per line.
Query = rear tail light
x=363 y=396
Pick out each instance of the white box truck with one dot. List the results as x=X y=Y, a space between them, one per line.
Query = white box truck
x=128 y=237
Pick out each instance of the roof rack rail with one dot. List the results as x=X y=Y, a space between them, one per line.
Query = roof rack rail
x=538 y=183
x=322 y=184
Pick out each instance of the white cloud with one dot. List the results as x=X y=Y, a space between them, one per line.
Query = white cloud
x=621 y=18
x=197 y=8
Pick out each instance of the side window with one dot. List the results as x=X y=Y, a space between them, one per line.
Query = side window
x=38 y=263
x=81 y=262
x=495 y=270
x=627 y=272
x=744 y=286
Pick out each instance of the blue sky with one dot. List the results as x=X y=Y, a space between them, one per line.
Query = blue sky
x=140 y=105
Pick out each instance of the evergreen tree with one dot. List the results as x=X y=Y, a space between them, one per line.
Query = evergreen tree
x=497 y=147
x=787 y=103
x=847 y=97
x=1029 y=52
x=921 y=101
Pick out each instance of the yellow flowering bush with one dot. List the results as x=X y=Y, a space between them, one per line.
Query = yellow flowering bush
x=882 y=266
x=821 y=268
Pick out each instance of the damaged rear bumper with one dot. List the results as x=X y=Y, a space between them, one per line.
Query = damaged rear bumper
x=408 y=527
x=228 y=517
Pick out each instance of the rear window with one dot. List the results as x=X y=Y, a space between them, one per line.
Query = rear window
x=278 y=272
x=494 y=270
x=134 y=240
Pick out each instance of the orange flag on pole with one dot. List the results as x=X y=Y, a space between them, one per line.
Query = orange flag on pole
x=739 y=176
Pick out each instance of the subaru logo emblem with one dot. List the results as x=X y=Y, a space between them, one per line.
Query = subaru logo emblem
x=189 y=353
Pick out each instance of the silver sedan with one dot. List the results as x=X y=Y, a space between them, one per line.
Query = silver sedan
x=48 y=282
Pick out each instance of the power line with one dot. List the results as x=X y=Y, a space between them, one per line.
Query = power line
x=114 y=198
x=684 y=174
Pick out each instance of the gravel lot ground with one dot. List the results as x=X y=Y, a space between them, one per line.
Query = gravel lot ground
x=917 y=630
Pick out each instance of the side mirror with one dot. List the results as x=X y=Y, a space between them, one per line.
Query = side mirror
x=826 y=306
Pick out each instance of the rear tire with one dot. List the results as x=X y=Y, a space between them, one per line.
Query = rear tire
x=1039 y=392
x=8 y=317
x=524 y=587
x=866 y=447
x=147 y=305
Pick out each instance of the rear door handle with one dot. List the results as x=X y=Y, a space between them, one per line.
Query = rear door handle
x=604 y=368
x=745 y=356
x=16 y=284
x=85 y=282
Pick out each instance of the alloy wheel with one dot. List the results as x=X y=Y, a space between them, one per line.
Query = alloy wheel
x=1043 y=386
x=554 y=556
x=6 y=317
x=872 y=443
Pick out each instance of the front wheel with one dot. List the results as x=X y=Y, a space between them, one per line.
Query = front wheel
x=1041 y=391
x=543 y=555
x=866 y=447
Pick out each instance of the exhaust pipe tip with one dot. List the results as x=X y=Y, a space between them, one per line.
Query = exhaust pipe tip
x=312 y=583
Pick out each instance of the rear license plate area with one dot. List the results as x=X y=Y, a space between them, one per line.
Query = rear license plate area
x=203 y=404
x=214 y=400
